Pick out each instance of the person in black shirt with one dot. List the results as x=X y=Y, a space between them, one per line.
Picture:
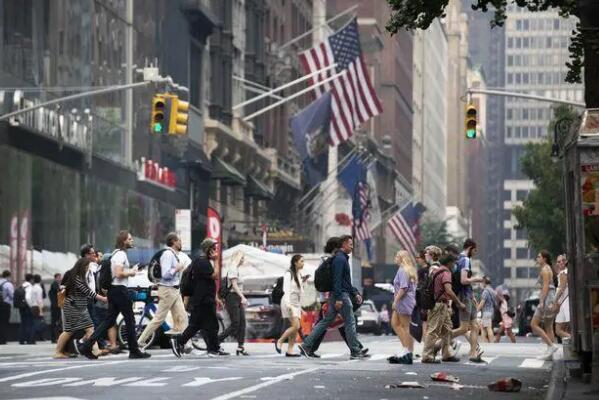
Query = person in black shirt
x=55 y=325
x=202 y=301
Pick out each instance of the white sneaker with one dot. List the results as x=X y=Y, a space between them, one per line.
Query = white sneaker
x=548 y=355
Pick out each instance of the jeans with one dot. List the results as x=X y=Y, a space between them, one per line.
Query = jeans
x=236 y=313
x=349 y=323
x=26 y=327
x=203 y=317
x=4 y=320
x=118 y=302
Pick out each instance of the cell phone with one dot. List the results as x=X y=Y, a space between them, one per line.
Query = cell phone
x=306 y=277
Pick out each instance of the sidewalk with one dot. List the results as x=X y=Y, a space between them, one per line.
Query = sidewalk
x=564 y=387
x=14 y=349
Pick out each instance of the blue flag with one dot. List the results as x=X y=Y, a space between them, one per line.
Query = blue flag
x=353 y=173
x=310 y=129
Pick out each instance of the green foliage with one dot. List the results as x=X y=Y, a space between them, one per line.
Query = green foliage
x=434 y=232
x=542 y=213
x=419 y=14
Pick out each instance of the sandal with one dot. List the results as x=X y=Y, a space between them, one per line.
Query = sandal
x=277 y=348
x=478 y=358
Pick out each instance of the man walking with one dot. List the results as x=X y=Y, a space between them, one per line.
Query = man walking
x=37 y=308
x=169 y=298
x=487 y=306
x=55 y=321
x=339 y=302
x=439 y=318
x=466 y=296
x=23 y=303
x=118 y=300
x=7 y=291
x=201 y=290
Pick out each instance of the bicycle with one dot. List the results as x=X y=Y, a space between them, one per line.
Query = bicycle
x=197 y=341
x=142 y=317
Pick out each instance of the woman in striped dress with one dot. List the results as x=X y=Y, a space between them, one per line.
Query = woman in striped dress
x=75 y=315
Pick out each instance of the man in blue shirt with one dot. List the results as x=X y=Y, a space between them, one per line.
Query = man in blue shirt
x=339 y=302
x=7 y=291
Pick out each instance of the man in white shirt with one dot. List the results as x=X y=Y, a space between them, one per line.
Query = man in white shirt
x=26 y=327
x=37 y=308
x=169 y=298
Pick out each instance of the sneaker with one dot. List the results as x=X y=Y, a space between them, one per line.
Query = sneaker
x=455 y=346
x=451 y=359
x=430 y=361
x=364 y=351
x=305 y=351
x=85 y=350
x=175 y=346
x=548 y=355
x=76 y=345
x=187 y=349
x=405 y=359
x=115 y=350
x=359 y=356
x=315 y=355
x=218 y=353
x=139 y=354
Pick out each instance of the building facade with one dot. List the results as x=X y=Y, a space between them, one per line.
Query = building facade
x=536 y=51
x=73 y=172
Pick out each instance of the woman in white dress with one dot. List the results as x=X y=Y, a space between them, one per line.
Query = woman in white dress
x=291 y=304
x=562 y=303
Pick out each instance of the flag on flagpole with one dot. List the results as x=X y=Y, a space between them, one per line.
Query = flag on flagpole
x=405 y=226
x=354 y=100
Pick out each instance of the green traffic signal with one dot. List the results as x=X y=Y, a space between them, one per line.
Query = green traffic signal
x=158 y=127
x=471 y=133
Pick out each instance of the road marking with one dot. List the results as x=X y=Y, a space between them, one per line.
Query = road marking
x=149 y=382
x=44 y=382
x=376 y=357
x=105 y=382
x=180 y=368
x=205 y=381
x=532 y=363
x=264 y=384
x=47 y=371
x=331 y=355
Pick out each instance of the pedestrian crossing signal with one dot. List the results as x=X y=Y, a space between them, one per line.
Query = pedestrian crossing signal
x=471 y=121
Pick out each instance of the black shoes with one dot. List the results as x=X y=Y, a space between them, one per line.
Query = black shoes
x=219 y=353
x=85 y=349
x=305 y=351
x=292 y=355
x=175 y=346
x=241 y=352
x=359 y=356
x=451 y=359
x=139 y=354
x=405 y=359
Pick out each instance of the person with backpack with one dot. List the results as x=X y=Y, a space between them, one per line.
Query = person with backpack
x=436 y=299
x=462 y=281
x=7 y=291
x=291 y=304
x=114 y=276
x=169 y=268
x=200 y=290
x=487 y=305
x=339 y=302
x=22 y=301
x=235 y=303
x=55 y=318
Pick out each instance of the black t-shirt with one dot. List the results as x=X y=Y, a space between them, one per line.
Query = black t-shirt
x=202 y=288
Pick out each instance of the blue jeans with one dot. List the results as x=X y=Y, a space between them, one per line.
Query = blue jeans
x=26 y=329
x=347 y=314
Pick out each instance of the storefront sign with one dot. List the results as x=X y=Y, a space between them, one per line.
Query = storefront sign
x=183 y=228
x=151 y=172
x=62 y=126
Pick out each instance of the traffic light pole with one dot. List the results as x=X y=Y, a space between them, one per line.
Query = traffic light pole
x=525 y=96
x=111 y=89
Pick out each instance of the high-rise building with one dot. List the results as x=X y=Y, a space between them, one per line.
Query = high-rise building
x=429 y=154
x=536 y=50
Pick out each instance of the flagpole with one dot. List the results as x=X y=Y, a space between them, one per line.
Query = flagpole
x=282 y=87
x=293 y=96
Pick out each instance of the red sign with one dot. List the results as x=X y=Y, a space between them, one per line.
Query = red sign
x=214 y=231
x=14 y=244
x=23 y=243
x=151 y=172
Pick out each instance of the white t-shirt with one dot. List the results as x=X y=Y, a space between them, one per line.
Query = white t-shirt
x=234 y=274
x=90 y=277
x=119 y=257
x=37 y=296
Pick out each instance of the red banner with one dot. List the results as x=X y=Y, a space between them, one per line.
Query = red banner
x=214 y=231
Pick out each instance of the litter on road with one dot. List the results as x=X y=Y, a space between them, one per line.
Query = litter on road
x=409 y=385
x=505 y=385
x=444 y=377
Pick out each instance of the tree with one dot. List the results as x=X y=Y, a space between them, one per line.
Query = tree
x=542 y=212
x=584 y=47
x=434 y=232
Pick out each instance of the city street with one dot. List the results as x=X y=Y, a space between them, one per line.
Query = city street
x=28 y=372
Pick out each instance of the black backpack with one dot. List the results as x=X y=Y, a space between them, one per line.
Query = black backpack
x=456 y=276
x=323 y=277
x=277 y=291
x=105 y=280
x=427 y=299
x=154 y=267
x=19 y=298
x=225 y=287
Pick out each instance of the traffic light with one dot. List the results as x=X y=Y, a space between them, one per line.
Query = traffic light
x=160 y=117
x=178 y=116
x=471 y=121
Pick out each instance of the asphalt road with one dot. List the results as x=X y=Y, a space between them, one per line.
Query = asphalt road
x=28 y=372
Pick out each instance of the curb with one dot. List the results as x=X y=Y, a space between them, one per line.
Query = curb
x=557 y=381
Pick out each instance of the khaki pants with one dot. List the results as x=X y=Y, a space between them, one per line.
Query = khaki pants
x=169 y=299
x=439 y=328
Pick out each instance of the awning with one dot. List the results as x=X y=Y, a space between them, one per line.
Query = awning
x=228 y=174
x=259 y=190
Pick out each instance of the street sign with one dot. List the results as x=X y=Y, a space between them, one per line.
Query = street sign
x=183 y=228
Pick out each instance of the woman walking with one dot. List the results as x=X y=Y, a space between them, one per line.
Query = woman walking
x=562 y=303
x=75 y=315
x=545 y=312
x=404 y=302
x=507 y=319
x=235 y=303
x=291 y=304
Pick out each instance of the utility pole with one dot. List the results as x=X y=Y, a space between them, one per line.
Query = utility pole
x=128 y=139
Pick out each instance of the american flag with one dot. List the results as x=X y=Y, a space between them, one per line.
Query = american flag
x=361 y=213
x=354 y=99
x=405 y=226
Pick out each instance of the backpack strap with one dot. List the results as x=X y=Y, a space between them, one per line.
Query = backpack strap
x=435 y=275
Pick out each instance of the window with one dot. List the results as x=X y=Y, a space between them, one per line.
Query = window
x=522 y=254
x=507 y=195
x=518 y=132
x=525 y=132
x=518 y=78
x=510 y=43
x=525 y=43
x=525 y=25
x=509 y=132
x=507 y=254
x=518 y=43
x=510 y=78
x=510 y=60
x=510 y=113
x=507 y=215
x=523 y=273
x=518 y=24
x=556 y=24
x=507 y=234
x=548 y=42
x=525 y=78
x=521 y=234
x=521 y=195
x=525 y=110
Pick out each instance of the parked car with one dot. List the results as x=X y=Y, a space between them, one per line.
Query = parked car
x=263 y=318
x=525 y=311
x=368 y=318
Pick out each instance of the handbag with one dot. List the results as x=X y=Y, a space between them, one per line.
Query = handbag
x=60 y=296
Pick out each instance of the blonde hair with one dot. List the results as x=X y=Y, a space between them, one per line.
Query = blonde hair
x=405 y=261
x=434 y=252
x=236 y=259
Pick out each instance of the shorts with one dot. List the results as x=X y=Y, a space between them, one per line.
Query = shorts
x=487 y=319
x=290 y=311
x=563 y=315
x=548 y=311
x=469 y=314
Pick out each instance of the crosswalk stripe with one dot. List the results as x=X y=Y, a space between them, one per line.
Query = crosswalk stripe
x=532 y=363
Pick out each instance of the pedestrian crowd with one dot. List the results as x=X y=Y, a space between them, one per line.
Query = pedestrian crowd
x=435 y=301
